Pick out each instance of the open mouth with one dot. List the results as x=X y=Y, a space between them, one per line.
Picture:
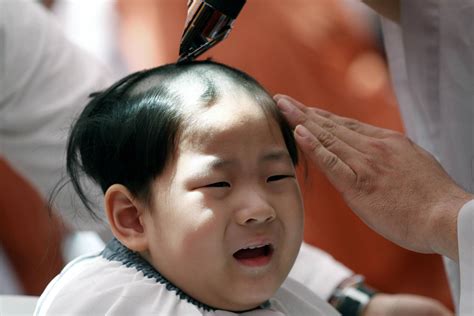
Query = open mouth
x=254 y=256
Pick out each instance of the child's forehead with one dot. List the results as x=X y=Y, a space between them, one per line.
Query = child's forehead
x=229 y=120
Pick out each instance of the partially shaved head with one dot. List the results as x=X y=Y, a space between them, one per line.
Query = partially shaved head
x=128 y=133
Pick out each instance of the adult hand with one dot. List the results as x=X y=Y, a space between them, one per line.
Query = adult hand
x=393 y=185
x=405 y=305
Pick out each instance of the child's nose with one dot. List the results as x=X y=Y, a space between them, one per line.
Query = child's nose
x=256 y=210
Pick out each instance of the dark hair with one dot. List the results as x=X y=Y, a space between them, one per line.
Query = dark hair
x=127 y=133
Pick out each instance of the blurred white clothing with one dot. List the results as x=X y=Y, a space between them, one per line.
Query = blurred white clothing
x=45 y=82
x=9 y=283
x=93 y=26
x=318 y=271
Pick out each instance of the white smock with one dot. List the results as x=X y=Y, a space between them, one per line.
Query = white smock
x=431 y=59
x=118 y=281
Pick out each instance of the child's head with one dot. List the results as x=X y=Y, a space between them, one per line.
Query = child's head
x=197 y=166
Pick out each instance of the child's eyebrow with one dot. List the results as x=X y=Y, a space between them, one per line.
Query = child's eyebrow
x=276 y=155
x=273 y=155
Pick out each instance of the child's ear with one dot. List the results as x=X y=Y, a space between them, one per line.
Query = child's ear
x=125 y=215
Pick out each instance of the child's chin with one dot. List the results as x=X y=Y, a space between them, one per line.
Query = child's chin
x=248 y=301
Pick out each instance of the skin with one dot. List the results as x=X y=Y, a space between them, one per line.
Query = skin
x=393 y=185
x=405 y=305
x=230 y=185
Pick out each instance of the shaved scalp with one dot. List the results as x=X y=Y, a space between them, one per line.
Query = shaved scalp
x=199 y=82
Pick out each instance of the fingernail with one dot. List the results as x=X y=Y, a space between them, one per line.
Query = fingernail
x=277 y=97
x=302 y=131
x=285 y=105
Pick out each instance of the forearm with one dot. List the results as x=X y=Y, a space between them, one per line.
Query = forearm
x=30 y=237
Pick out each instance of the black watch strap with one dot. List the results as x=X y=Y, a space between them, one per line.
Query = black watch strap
x=352 y=296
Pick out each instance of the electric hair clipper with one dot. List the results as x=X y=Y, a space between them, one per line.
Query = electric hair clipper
x=208 y=22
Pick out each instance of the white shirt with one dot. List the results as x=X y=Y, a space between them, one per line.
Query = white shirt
x=431 y=59
x=120 y=282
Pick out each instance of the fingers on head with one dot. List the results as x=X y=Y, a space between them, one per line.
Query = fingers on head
x=318 y=114
x=293 y=115
x=337 y=171
x=349 y=123
x=293 y=101
x=355 y=125
x=327 y=139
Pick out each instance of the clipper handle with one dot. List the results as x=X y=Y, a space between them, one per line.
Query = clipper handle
x=208 y=22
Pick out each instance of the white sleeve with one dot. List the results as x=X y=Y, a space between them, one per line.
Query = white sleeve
x=318 y=271
x=44 y=83
x=465 y=275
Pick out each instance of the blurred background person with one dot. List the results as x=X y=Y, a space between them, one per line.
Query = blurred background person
x=44 y=82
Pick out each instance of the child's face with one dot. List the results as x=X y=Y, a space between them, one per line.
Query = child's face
x=231 y=187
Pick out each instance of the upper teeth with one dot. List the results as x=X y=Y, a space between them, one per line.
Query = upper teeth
x=257 y=246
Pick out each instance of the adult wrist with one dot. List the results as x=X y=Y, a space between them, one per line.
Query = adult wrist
x=352 y=296
x=443 y=232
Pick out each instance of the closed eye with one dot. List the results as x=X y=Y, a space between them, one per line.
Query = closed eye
x=279 y=177
x=221 y=184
